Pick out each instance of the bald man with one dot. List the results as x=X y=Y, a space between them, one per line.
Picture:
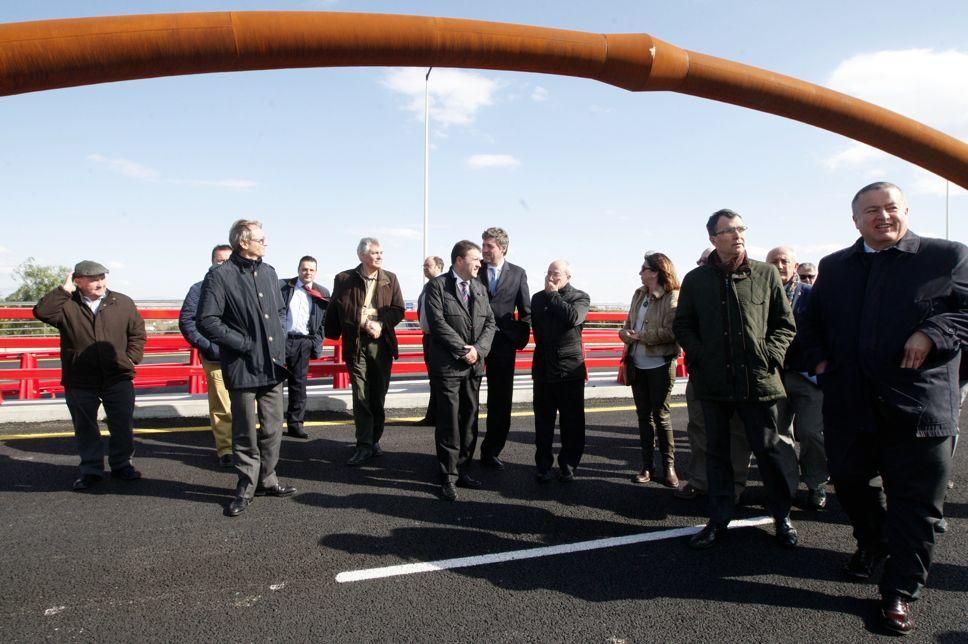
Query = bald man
x=558 y=370
x=800 y=414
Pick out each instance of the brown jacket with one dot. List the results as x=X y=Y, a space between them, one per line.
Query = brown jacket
x=658 y=338
x=343 y=314
x=96 y=350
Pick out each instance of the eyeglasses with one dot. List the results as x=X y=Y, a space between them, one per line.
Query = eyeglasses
x=264 y=241
x=731 y=230
x=648 y=268
x=808 y=277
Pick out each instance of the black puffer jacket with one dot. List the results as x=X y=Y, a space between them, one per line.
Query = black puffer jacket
x=557 y=320
x=242 y=311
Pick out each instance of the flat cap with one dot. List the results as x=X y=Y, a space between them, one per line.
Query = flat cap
x=87 y=268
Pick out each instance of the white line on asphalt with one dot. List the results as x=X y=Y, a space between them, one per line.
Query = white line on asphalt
x=531 y=553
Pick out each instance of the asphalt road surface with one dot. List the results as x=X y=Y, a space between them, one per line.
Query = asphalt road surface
x=156 y=559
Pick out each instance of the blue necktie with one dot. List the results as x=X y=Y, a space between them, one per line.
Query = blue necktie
x=492 y=282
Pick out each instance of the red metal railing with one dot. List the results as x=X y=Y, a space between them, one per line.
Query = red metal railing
x=24 y=379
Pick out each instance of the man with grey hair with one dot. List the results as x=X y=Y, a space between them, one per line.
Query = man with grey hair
x=800 y=414
x=558 y=372
x=507 y=290
x=242 y=311
x=365 y=307
x=884 y=332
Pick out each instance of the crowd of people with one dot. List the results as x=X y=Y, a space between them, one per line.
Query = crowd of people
x=856 y=360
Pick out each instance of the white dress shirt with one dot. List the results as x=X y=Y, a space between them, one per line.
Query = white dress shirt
x=297 y=316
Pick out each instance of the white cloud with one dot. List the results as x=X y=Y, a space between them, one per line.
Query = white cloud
x=481 y=161
x=929 y=86
x=115 y=265
x=926 y=85
x=126 y=167
x=136 y=170
x=455 y=95
x=928 y=183
x=539 y=94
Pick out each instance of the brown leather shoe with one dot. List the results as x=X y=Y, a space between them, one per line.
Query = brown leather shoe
x=642 y=477
x=896 y=615
x=670 y=479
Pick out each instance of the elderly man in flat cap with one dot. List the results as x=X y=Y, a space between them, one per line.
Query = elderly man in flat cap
x=102 y=339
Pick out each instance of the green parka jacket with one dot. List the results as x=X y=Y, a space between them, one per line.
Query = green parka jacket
x=735 y=329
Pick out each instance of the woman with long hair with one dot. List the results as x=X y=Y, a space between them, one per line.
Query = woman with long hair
x=651 y=363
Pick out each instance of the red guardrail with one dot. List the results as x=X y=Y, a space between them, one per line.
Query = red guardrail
x=28 y=381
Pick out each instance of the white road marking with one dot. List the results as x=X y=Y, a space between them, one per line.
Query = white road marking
x=531 y=553
x=54 y=610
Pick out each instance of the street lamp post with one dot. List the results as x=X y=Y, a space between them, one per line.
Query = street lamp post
x=426 y=213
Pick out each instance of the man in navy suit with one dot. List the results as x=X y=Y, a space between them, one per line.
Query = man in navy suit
x=461 y=331
x=507 y=289
x=306 y=303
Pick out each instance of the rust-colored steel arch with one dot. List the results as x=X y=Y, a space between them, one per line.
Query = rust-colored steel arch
x=63 y=53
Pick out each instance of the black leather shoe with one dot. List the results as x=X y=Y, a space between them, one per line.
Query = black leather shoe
x=492 y=462
x=817 y=498
x=566 y=474
x=465 y=481
x=225 y=460
x=126 y=473
x=296 y=431
x=448 y=490
x=360 y=456
x=544 y=476
x=786 y=534
x=708 y=537
x=896 y=615
x=941 y=526
x=237 y=506
x=85 y=482
x=862 y=563
x=377 y=450
x=276 y=490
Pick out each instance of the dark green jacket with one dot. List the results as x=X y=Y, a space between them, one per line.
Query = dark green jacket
x=735 y=330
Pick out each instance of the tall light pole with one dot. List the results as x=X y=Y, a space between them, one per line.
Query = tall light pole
x=426 y=222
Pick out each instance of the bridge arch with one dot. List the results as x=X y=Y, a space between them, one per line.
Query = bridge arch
x=42 y=55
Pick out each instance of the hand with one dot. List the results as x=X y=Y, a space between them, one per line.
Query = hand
x=628 y=336
x=916 y=350
x=821 y=367
x=69 y=283
x=550 y=286
x=374 y=328
x=471 y=356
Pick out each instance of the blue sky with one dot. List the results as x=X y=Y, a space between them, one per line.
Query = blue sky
x=146 y=176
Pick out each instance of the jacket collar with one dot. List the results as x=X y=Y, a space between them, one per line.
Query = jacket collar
x=381 y=275
x=243 y=263
x=910 y=243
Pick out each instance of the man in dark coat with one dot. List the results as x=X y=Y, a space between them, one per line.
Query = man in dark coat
x=306 y=303
x=885 y=327
x=507 y=288
x=102 y=339
x=432 y=267
x=558 y=372
x=461 y=332
x=366 y=306
x=219 y=404
x=242 y=311
x=735 y=325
